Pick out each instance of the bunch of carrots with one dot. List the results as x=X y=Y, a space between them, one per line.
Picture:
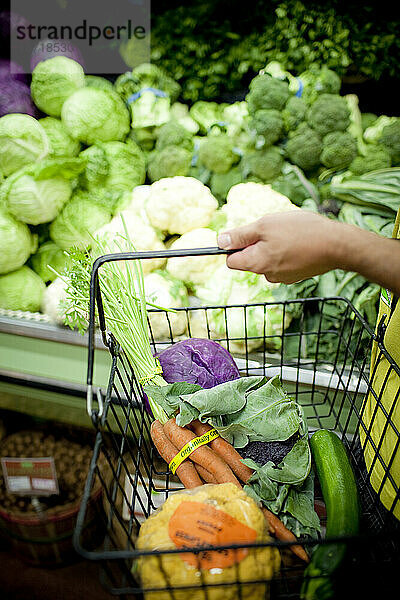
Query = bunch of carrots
x=217 y=462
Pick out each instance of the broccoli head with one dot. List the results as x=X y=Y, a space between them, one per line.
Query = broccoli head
x=268 y=123
x=216 y=153
x=152 y=76
x=390 y=138
x=264 y=164
x=304 y=147
x=339 y=150
x=376 y=157
x=221 y=183
x=267 y=92
x=319 y=80
x=168 y=162
x=329 y=113
x=174 y=134
x=294 y=113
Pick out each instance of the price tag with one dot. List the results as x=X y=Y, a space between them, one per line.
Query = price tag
x=30 y=476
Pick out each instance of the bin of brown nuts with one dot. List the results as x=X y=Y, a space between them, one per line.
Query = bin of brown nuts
x=41 y=530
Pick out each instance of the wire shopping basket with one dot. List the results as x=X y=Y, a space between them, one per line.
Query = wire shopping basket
x=324 y=364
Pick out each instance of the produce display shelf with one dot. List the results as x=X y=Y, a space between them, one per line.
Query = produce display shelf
x=42 y=368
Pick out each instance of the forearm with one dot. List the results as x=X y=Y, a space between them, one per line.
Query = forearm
x=373 y=256
x=290 y=247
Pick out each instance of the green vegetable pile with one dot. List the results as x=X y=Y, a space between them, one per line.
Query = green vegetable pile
x=63 y=176
x=214 y=48
x=178 y=173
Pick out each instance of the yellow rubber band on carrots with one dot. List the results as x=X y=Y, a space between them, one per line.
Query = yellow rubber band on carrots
x=190 y=447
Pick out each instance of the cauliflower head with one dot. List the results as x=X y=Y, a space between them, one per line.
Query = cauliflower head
x=195 y=270
x=179 y=204
x=53 y=303
x=222 y=502
x=168 y=292
x=142 y=236
x=247 y=326
x=247 y=202
x=135 y=201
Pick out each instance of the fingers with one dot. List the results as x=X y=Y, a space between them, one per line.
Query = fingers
x=241 y=237
x=253 y=258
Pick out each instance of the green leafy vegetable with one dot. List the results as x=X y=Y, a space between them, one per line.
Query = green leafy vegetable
x=21 y=289
x=37 y=193
x=117 y=166
x=53 y=81
x=379 y=190
x=78 y=221
x=61 y=143
x=93 y=115
x=49 y=255
x=255 y=409
x=23 y=141
x=17 y=243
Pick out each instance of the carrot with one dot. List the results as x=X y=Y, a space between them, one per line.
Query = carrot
x=282 y=533
x=205 y=475
x=226 y=451
x=186 y=471
x=203 y=456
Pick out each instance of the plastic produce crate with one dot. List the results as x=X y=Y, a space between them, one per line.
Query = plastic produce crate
x=135 y=481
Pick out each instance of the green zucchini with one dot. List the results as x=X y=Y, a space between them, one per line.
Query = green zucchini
x=339 y=490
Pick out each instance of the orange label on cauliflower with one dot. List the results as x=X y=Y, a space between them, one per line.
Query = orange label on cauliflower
x=196 y=524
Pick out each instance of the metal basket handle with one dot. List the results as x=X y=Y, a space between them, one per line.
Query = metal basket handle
x=96 y=300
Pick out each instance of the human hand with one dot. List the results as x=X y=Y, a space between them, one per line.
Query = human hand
x=285 y=247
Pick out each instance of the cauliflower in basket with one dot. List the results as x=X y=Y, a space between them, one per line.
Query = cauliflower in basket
x=211 y=515
x=195 y=270
x=142 y=235
x=164 y=290
x=244 y=325
x=247 y=202
x=179 y=204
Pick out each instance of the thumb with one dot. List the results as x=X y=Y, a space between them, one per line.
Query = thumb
x=241 y=237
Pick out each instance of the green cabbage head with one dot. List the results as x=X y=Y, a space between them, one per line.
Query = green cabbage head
x=92 y=115
x=17 y=243
x=78 y=220
x=21 y=290
x=61 y=143
x=37 y=193
x=116 y=165
x=23 y=140
x=53 y=81
x=49 y=255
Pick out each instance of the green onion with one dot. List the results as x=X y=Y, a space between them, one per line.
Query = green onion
x=124 y=304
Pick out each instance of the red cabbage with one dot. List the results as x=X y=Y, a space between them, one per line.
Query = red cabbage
x=198 y=360
x=15 y=97
x=11 y=70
